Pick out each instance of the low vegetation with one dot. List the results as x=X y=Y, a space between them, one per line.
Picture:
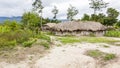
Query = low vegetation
x=113 y=33
x=86 y=39
x=100 y=55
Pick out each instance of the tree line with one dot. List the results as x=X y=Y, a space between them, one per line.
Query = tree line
x=33 y=19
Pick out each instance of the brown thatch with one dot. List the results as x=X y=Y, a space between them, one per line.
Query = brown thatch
x=50 y=25
x=85 y=26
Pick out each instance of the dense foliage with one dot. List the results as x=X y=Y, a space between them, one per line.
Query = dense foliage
x=31 y=20
x=97 y=5
x=110 y=19
x=113 y=33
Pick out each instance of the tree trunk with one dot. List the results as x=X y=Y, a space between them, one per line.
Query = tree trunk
x=94 y=11
x=41 y=22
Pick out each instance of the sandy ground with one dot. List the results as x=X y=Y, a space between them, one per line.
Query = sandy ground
x=71 y=56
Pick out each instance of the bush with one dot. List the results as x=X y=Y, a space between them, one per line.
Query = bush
x=6 y=44
x=113 y=33
x=28 y=43
x=8 y=40
x=44 y=37
x=23 y=35
x=4 y=29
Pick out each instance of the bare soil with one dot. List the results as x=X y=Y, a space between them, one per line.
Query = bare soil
x=66 y=56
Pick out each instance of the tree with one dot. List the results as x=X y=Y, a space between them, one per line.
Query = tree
x=112 y=13
x=30 y=20
x=117 y=25
x=55 y=12
x=94 y=17
x=37 y=6
x=97 y=5
x=111 y=18
x=101 y=17
x=86 y=17
x=71 y=12
x=13 y=25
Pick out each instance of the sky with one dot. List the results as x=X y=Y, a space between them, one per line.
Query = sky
x=11 y=8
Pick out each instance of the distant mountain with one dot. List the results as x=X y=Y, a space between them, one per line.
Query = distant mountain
x=63 y=20
x=18 y=18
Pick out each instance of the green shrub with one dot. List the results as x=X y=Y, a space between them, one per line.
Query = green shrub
x=22 y=35
x=4 y=29
x=8 y=40
x=44 y=37
x=113 y=33
x=6 y=44
x=28 y=43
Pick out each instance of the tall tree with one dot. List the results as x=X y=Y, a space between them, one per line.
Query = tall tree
x=86 y=17
x=55 y=12
x=37 y=6
x=97 y=5
x=111 y=18
x=71 y=12
x=112 y=13
x=30 y=20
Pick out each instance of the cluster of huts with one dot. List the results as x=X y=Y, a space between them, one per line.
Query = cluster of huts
x=83 y=28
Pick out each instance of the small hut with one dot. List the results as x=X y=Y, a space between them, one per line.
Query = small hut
x=79 y=28
x=48 y=26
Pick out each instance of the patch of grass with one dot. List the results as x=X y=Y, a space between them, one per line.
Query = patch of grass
x=106 y=46
x=100 y=55
x=68 y=40
x=29 y=43
x=113 y=33
x=43 y=36
x=94 y=53
x=117 y=44
x=109 y=56
x=86 y=39
x=45 y=44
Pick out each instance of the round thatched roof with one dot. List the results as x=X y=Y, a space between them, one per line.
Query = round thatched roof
x=50 y=25
x=72 y=26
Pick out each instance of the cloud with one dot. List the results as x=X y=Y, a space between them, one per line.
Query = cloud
x=14 y=7
x=18 y=7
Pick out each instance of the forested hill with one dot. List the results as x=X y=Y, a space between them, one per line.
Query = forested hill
x=18 y=18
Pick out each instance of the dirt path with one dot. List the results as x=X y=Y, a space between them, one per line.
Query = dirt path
x=71 y=56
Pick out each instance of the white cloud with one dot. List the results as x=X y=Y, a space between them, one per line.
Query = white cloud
x=18 y=7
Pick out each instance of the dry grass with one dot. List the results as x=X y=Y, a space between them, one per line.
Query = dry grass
x=20 y=54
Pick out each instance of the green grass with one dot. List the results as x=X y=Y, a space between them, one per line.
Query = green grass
x=95 y=53
x=109 y=56
x=113 y=33
x=44 y=36
x=45 y=44
x=106 y=46
x=100 y=55
x=86 y=39
x=29 y=42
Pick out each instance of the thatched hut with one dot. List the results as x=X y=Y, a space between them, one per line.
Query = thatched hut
x=48 y=26
x=79 y=28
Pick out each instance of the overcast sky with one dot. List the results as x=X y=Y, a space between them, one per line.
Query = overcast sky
x=18 y=7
